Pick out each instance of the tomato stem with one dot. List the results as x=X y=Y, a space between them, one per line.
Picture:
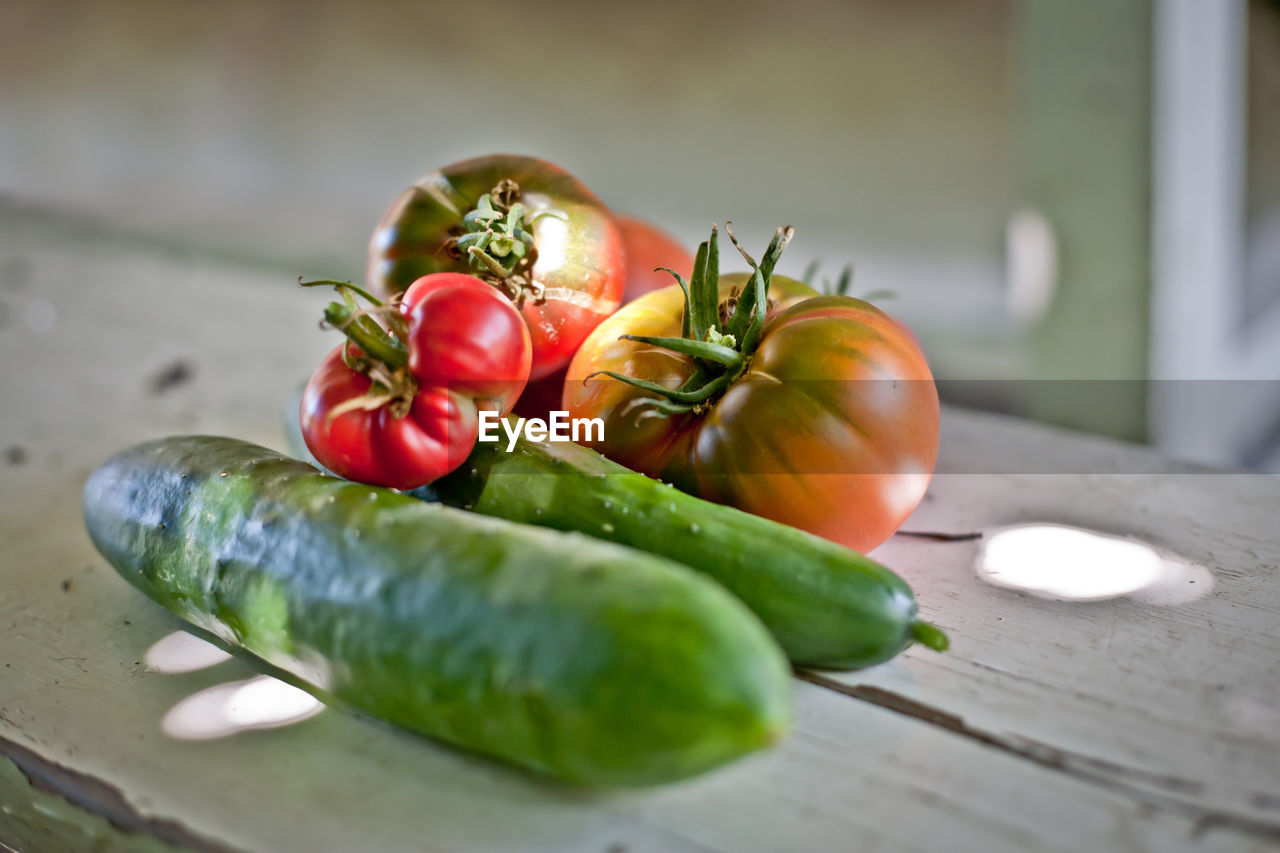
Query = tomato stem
x=498 y=242
x=684 y=286
x=719 y=339
x=741 y=308
x=695 y=319
x=341 y=286
x=707 y=297
x=842 y=283
x=710 y=350
x=689 y=398
x=364 y=332
x=810 y=272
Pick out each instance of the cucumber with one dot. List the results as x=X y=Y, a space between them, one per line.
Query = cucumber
x=560 y=653
x=827 y=606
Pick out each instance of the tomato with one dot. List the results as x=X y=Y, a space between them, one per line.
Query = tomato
x=824 y=414
x=648 y=248
x=465 y=336
x=527 y=227
x=398 y=406
x=375 y=444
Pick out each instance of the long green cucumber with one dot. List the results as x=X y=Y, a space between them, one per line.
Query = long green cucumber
x=598 y=664
x=826 y=605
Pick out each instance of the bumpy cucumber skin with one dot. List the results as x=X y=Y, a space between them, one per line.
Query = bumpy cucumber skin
x=826 y=605
x=594 y=663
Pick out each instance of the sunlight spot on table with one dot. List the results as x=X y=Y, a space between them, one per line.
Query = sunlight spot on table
x=261 y=702
x=1073 y=564
x=182 y=652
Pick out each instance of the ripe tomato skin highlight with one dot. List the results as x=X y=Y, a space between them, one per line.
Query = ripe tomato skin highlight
x=580 y=256
x=832 y=428
x=647 y=248
x=374 y=446
x=466 y=336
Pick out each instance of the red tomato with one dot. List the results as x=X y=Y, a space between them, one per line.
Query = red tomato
x=648 y=248
x=372 y=445
x=829 y=423
x=559 y=258
x=466 y=336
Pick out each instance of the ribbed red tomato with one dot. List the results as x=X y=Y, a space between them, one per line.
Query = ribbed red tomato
x=398 y=406
x=382 y=445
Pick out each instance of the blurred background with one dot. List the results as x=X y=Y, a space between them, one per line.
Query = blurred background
x=1076 y=205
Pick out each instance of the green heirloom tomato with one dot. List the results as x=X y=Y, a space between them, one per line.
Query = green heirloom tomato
x=527 y=227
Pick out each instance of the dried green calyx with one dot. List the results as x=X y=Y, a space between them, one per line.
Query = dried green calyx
x=382 y=355
x=498 y=243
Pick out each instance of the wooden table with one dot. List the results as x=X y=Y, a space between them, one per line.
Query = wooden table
x=1135 y=723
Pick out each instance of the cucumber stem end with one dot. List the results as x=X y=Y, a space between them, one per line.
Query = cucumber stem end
x=930 y=636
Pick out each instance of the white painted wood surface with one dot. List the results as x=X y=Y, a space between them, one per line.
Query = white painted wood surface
x=1114 y=725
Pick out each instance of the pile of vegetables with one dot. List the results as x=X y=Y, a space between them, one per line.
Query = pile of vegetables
x=623 y=613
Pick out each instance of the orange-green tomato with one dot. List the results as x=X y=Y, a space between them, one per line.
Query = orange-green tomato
x=832 y=427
